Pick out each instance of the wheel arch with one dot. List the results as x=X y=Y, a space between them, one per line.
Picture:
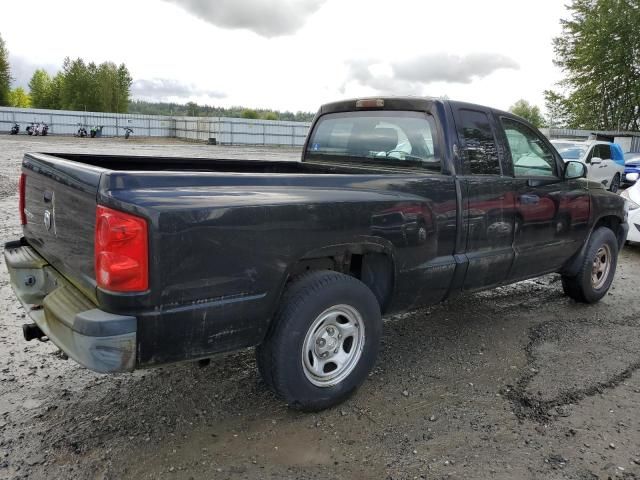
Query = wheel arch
x=371 y=261
x=610 y=221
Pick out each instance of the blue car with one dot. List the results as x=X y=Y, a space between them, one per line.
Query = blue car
x=631 y=165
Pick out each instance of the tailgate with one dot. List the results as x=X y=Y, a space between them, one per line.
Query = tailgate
x=60 y=209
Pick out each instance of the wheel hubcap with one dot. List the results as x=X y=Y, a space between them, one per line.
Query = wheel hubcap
x=601 y=267
x=333 y=345
x=422 y=234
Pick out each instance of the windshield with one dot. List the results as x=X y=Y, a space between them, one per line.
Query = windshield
x=632 y=158
x=570 y=152
x=389 y=137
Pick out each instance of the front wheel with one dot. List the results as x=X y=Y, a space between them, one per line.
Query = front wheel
x=597 y=270
x=615 y=183
x=324 y=341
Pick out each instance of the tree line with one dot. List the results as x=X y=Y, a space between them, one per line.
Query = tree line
x=598 y=51
x=599 y=54
x=82 y=86
x=192 y=109
x=79 y=85
x=106 y=87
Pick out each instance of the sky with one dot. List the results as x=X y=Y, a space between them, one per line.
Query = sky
x=298 y=54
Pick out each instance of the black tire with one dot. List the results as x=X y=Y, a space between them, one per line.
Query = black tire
x=580 y=287
x=615 y=183
x=280 y=357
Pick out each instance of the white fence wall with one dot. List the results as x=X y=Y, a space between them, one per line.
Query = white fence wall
x=62 y=122
x=225 y=130
x=629 y=141
x=241 y=131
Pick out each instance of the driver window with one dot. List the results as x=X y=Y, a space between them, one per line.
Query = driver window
x=530 y=155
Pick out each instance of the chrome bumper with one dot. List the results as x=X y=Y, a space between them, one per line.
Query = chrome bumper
x=97 y=340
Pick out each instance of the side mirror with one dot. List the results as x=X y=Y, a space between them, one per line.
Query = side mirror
x=573 y=170
x=596 y=161
x=632 y=177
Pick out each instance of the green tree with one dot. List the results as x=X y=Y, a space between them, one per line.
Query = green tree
x=270 y=116
x=18 y=97
x=87 y=86
x=599 y=52
x=192 y=109
x=5 y=74
x=249 y=113
x=54 y=98
x=123 y=91
x=40 y=89
x=558 y=110
x=529 y=112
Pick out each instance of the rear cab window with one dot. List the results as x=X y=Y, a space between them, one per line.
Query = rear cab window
x=387 y=137
x=479 y=152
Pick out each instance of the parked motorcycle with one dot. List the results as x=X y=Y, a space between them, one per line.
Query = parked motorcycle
x=15 y=129
x=41 y=129
x=96 y=131
x=82 y=131
x=31 y=129
x=127 y=132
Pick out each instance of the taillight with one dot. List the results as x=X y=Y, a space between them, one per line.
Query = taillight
x=21 y=188
x=121 y=251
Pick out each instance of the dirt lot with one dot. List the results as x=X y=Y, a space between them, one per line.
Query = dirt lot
x=518 y=382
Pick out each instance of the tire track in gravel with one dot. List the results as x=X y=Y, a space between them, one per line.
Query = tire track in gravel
x=551 y=349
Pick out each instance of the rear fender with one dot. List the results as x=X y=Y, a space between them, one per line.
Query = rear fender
x=341 y=253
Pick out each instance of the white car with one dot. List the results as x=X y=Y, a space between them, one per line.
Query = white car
x=632 y=196
x=598 y=156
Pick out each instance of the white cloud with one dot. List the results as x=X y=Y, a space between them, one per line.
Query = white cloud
x=22 y=70
x=343 y=48
x=443 y=67
x=412 y=76
x=268 y=18
x=170 y=89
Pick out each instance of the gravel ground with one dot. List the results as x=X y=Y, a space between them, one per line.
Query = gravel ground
x=518 y=382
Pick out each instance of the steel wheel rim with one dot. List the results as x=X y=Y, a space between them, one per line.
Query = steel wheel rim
x=601 y=267
x=333 y=345
x=422 y=234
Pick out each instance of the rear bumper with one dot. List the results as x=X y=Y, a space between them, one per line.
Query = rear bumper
x=98 y=340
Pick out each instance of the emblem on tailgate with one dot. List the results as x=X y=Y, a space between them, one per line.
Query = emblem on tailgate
x=49 y=215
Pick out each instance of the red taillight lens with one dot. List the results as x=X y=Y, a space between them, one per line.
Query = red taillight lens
x=21 y=189
x=121 y=251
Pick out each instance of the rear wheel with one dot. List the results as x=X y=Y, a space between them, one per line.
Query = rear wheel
x=324 y=341
x=615 y=183
x=597 y=270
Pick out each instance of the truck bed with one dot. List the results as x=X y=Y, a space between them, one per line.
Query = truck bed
x=224 y=233
x=194 y=164
x=70 y=185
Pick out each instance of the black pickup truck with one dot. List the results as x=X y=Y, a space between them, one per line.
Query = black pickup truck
x=129 y=262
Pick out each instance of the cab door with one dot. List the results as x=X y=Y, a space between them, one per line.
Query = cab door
x=487 y=199
x=608 y=166
x=551 y=213
x=597 y=165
